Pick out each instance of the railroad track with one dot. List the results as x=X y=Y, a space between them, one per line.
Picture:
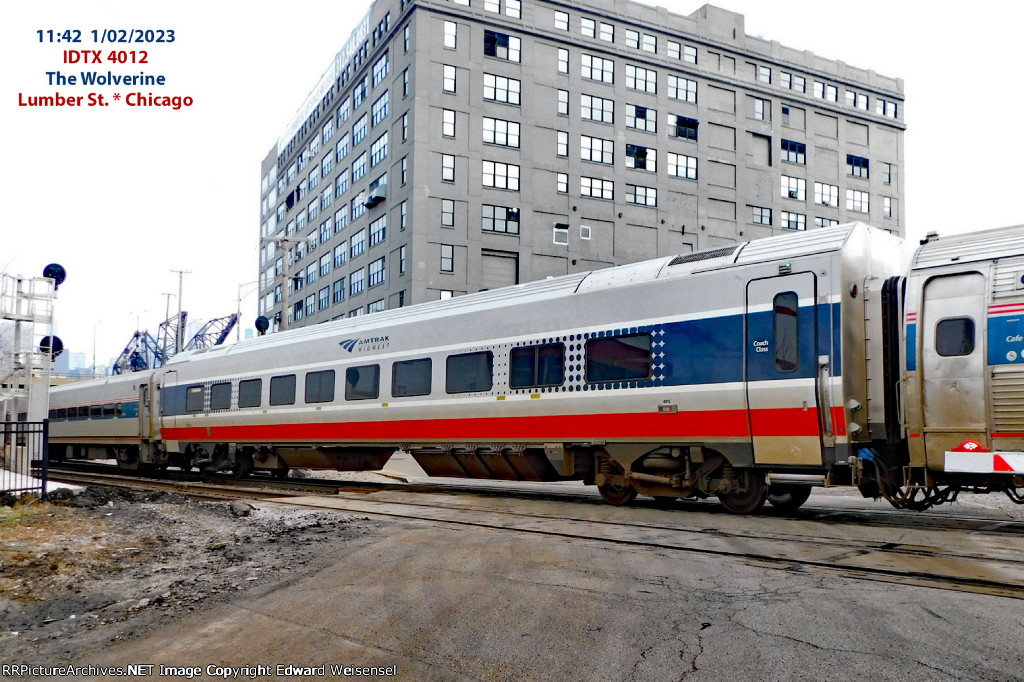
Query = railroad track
x=964 y=561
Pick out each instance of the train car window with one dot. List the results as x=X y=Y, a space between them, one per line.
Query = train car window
x=320 y=386
x=119 y=409
x=109 y=411
x=411 y=377
x=362 y=383
x=83 y=412
x=786 y=312
x=469 y=372
x=220 y=396
x=194 y=398
x=954 y=337
x=282 y=390
x=95 y=411
x=619 y=358
x=62 y=413
x=52 y=414
x=542 y=365
x=250 y=392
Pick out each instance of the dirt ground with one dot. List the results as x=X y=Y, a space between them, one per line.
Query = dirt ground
x=82 y=571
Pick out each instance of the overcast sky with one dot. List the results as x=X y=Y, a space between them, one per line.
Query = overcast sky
x=121 y=196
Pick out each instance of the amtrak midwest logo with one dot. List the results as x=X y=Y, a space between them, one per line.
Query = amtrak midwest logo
x=363 y=345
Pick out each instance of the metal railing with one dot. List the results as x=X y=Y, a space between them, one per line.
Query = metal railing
x=24 y=457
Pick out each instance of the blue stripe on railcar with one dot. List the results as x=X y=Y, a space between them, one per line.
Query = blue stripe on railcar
x=1006 y=340
x=911 y=346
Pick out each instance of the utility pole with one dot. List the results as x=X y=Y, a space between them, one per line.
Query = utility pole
x=179 y=332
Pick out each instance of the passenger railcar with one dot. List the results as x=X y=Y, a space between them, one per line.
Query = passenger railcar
x=773 y=365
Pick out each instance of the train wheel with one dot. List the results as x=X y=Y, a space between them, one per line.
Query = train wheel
x=617 y=494
x=751 y=496
x=243 y=466
x=788 y=497
x=127 y=458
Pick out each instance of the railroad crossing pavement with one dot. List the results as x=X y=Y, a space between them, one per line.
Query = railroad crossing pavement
x=447 y=602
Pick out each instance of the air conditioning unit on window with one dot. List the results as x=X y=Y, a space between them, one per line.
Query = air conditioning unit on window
x=376 y=195
x=794 y=194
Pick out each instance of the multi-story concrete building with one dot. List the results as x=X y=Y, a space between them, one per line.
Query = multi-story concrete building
x=460 y=145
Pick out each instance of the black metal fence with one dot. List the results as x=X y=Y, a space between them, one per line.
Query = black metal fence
x=24 y=457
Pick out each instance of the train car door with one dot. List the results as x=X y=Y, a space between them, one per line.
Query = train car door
x=953 y=362
x=782 y=370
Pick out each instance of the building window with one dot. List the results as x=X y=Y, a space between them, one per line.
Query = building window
x=447 y=213
x=401 y=261
x=561 y=143
x=794 y=152
x=448 y=168
x=405 y=169
x=310 y=273
x=377 y=272
x=682 y=166
x=682 y=88
x=325 y=264
x=376 y=307
x=501 y=89
x=826 y=91
x=341 y=149
x=597 y=188
x=501 y=132
x=607 y=32
x=689 y=54
x=685 y=128
x=643 y=196
x=887 y=206
x=501 y=46
x=380 y=69
x=792 y=221
x=641 y=158
x=402 y=215
x=562 y=183
x=310 y=305
x=825 y=194
x=450 y=30
x=632 y=39
x=762 y=109
x=359 y=94
x=405 y=82
x=857 y=100
x=406 y=38
x=761 y=215
x=794 y=188
x=563 y=60
x=405 y=126
x=639 y=78
x=379 y=150
x=328 y=131
x=500 y=175
x=344 y=111
x=358 y=241
x=649 y=44
x=341 y=183
x=448 y=78
x=764 y=74
x=448 y=123
x=597 y=69
x=356 y=282
x=359 y=130
x=359 y=167
x=857 y=166
x=597 y=150
x=340 y=219
x=445 y=294
x=358 y=208
x=857 y=200
x=447 y=258
x=499 y=219
x=563 y=102
x=338 y=290
x=378 y=230
x=323 y=299
x=884 y=107
x=379 y=110
x=588 y=27
x=340 y=254
x=561 y=20
x=597 y=109
x=887 y=173
x=560 y=234
x=641 y=118
x=825 y=222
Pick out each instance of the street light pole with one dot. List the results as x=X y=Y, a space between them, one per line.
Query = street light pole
x=238 y=312
x=179 y=332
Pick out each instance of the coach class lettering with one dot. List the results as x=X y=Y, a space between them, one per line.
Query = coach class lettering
x=761 y=346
